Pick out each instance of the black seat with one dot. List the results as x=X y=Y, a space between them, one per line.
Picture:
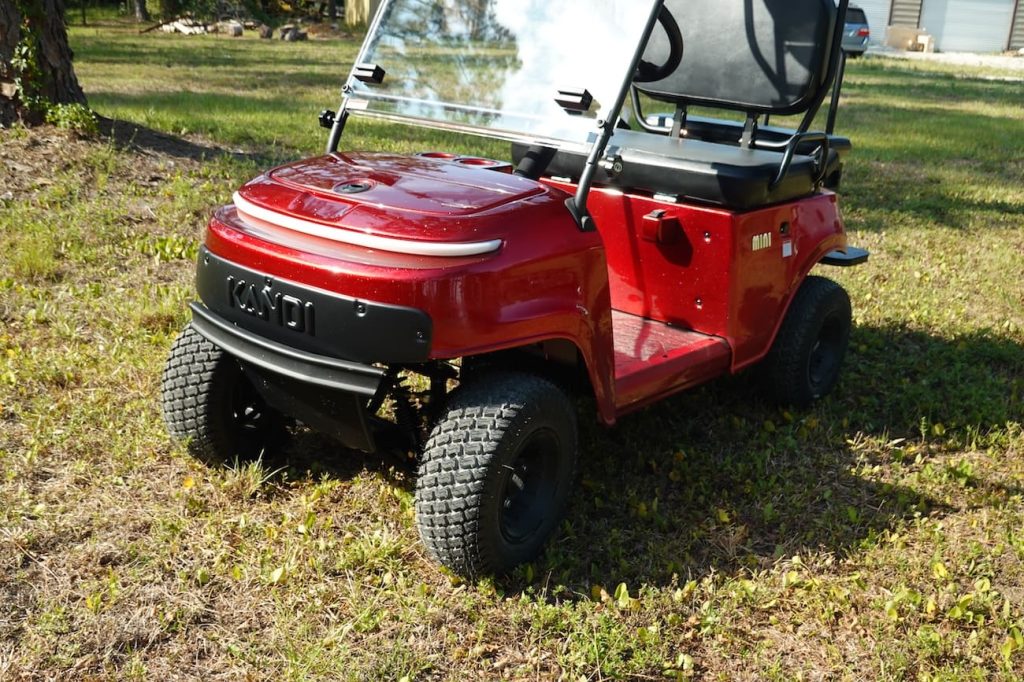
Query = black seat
x=706 y=172
x=767 y=57
x=724 y=131
x=758 y=57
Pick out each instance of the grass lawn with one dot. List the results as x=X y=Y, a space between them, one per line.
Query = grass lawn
x=879 y=536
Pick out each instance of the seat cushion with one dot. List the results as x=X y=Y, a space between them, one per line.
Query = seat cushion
x=725 y=175
x=729 y=132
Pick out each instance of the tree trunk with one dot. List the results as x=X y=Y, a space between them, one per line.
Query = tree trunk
x=58 y=83
x=170 y=9
x=332 y=10
x=10 y=34
x=141 y=13
x=51 y=76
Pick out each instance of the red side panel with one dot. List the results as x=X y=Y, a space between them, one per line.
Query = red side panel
x=710 y=270
x=684 y=283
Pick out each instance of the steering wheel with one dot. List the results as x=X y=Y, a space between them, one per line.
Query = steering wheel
x=648 y=72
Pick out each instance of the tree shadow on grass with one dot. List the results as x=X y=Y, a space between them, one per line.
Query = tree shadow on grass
x=137 y=138
x=224 y=109
x=714 y=480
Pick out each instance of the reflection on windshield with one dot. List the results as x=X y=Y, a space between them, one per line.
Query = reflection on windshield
x=496 y=65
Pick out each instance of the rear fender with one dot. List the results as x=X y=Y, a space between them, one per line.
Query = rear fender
x=770 y=270
x=820 y=255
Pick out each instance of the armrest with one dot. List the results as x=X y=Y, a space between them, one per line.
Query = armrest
x=821 y=156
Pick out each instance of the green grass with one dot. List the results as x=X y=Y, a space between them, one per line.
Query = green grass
x=877 y=536
x=240 y=92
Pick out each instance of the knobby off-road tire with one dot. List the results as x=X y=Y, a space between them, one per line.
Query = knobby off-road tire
x=807 y=356
x=496 y=473
x=208 y=401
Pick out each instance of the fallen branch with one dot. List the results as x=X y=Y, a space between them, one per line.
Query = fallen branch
x=164 y=23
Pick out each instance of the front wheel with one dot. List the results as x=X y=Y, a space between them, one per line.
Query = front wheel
x=209 y=402
x=496 y=473
x=803 y=364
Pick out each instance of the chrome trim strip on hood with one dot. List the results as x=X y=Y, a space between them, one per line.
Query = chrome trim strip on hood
x=340 y=234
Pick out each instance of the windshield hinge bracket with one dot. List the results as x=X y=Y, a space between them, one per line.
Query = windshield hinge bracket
x=611 y=162
x=369 y=73
x=575 y=101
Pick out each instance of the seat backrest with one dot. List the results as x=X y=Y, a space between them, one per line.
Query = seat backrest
x=755 y=56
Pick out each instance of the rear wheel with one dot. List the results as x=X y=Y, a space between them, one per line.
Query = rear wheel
x=496 y=473
x=208 y=401
x=807 y=356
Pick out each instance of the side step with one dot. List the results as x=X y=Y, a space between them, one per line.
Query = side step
x=654 y=360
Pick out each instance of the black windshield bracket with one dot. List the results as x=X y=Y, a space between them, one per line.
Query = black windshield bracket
x=583 y=219
x=337 y=128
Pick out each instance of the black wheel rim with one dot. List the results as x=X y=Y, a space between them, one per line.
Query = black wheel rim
x=248 y=411
x=529 y=487
x=823 y=360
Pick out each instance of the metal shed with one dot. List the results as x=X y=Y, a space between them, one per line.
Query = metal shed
x=956 y=25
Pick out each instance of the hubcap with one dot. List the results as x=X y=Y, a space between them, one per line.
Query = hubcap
x=823 y=362
x=529 y=486
x=248 y=411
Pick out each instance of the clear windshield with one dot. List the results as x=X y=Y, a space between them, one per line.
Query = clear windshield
x=495 y=66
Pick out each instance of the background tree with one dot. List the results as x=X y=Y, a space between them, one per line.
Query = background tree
x=169 y=9
x=141 y=12
x=35 y=60
x=10 y=31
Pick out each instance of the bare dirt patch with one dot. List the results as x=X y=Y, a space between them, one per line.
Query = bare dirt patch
x=32 y=160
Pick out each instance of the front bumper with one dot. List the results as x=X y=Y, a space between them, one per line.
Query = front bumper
x=309 y=352
x=309 y=319
x=318 y=370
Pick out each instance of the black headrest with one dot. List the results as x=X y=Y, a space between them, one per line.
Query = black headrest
x=762 y=56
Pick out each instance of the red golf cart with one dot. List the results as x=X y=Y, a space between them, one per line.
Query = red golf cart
x=453 y=304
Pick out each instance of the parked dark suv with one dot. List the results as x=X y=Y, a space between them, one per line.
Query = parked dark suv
x=856 y=33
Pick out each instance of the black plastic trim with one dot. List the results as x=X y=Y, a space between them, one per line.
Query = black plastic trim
x=584 y=221
x=853 y=256
x=340 y=414
x=310 y=319
x=369 y=73
x=327 y=118
x=575 y=100
x=314 y=369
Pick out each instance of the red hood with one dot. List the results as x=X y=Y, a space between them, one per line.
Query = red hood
x=390 y=195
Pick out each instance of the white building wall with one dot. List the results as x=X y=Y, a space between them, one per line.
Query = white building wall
x=968 y=25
